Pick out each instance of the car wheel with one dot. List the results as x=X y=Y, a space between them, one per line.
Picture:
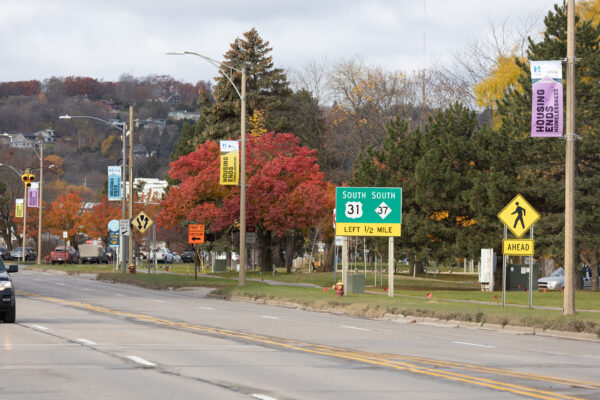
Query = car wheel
x=10 y=315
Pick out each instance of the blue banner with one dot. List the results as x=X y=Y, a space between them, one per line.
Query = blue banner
x=114 y=183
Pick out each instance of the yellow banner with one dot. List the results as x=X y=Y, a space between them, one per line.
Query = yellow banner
x=229 y=168
x=366 y=229
x=19 y=209
x=517 y=247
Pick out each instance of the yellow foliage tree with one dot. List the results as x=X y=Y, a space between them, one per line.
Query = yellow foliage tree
x=257 y=124
x=504 y=75
x=589 y=10
x=110 y=147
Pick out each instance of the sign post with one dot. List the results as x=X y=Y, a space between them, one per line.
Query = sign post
x=368 y=211
x=518 y=216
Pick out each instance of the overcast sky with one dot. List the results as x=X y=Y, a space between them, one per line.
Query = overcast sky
x=104 y=39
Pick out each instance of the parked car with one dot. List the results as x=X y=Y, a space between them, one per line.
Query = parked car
x=3 y=252
x=176 y=257
x=187 y=256
x=109 y=255
x=92 y=253
x=8 y=305
x=61 y=255
x=17 y=254
x=556 y=280
x=162 y=256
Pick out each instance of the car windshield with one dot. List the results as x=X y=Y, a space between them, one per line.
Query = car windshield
x=558 y=272
x=60 y=248
x=2 y=269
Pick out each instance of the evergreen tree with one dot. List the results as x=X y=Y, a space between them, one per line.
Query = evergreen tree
x=540 y=161
x=266 y=89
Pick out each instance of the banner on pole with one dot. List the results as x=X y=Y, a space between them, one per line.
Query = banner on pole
x=114 y=183
x=230 y=156
x=33 y=197
x=19 y=208
x=546 y=99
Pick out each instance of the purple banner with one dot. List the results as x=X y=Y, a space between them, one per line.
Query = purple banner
x=546 y=109
x=32 y=198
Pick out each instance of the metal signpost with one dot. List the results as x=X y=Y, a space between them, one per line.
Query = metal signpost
x=368 y=211
x=518 y=216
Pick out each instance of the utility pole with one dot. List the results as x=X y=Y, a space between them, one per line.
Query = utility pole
x=131 y=260
x=569 y=293
x=24 y=242
x=40 y=209
x=242 y=274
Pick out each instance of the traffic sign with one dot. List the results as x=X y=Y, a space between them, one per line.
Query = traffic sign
x=195 y=233
x=368 y=211
x=142 y=222
x=518 y=216
x=124 y=227
x=251 y=237
x=517 y=247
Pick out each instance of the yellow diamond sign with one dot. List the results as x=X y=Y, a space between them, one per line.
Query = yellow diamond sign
x=518 y=215
x=142 y=222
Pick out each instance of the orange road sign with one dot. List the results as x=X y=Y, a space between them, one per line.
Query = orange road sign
x=195 y=234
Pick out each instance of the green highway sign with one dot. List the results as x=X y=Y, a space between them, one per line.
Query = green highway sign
x=368 y=211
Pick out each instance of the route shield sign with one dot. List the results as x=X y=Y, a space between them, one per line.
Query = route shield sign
x=368 y=211
x=196 y=233
x=518 y=216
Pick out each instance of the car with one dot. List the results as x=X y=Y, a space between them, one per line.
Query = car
x=176 y=257
x=17 y=254
x=187 y=256
x=556 y=280
x=3 y=252
x=162 y=256
x=235 y=256
x=8 y=305
x=60 y=255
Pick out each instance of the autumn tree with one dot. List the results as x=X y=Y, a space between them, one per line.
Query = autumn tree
x=64 y=214
x=285 y=195
x=95 y=221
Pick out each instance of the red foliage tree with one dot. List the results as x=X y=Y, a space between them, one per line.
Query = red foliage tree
x=286 y=191
x=64 y=214
x=95 y=221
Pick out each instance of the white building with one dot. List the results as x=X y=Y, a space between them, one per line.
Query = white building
x=151 y=189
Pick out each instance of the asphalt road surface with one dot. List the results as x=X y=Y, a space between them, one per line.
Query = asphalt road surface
x=77 y=338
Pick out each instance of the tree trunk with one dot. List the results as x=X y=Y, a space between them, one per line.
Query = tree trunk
x=265 y=250
x=418 y=265
x=328 y=264
x=289 y=251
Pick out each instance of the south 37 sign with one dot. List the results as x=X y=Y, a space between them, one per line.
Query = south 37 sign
x=368 y=211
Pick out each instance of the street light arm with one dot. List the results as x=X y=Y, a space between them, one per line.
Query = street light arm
x=67 y=116
x=217 y=64
x=13 y=168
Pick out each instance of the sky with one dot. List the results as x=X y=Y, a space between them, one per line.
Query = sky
x=104 y=39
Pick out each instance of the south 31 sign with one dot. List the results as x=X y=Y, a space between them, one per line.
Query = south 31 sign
x=368 y=211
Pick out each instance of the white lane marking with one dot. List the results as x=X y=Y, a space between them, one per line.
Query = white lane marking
x=140 y=360
x=262 y=396
x=473 y=344
x=43 y=328
x=88 y=290
x=85 y=341
x=207 y=308
x=159 y=301
x=354 y=327
x=119 y=294
x=61 y=284
x=270 y=317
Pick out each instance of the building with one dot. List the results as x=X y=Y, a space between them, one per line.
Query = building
x=180 y=115
x=150 y=189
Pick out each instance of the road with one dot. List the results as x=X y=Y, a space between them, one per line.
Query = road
x=76 y=338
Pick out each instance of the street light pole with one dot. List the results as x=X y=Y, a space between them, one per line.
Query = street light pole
x=40 y=204
x=242 y=96
x=131 y=258
x=24 y=241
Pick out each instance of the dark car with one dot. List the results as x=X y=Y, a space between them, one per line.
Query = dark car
x=8 y=305
x=187 y=256
x=4 y=253
x=17 y=254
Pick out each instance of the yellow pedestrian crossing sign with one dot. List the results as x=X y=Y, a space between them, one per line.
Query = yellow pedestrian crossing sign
x=518 y=216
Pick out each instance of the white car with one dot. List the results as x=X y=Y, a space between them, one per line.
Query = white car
x=556 y=280
x=176 y=257
x=162 y=256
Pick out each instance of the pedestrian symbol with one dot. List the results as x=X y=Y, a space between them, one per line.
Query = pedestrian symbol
x=518 y=216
